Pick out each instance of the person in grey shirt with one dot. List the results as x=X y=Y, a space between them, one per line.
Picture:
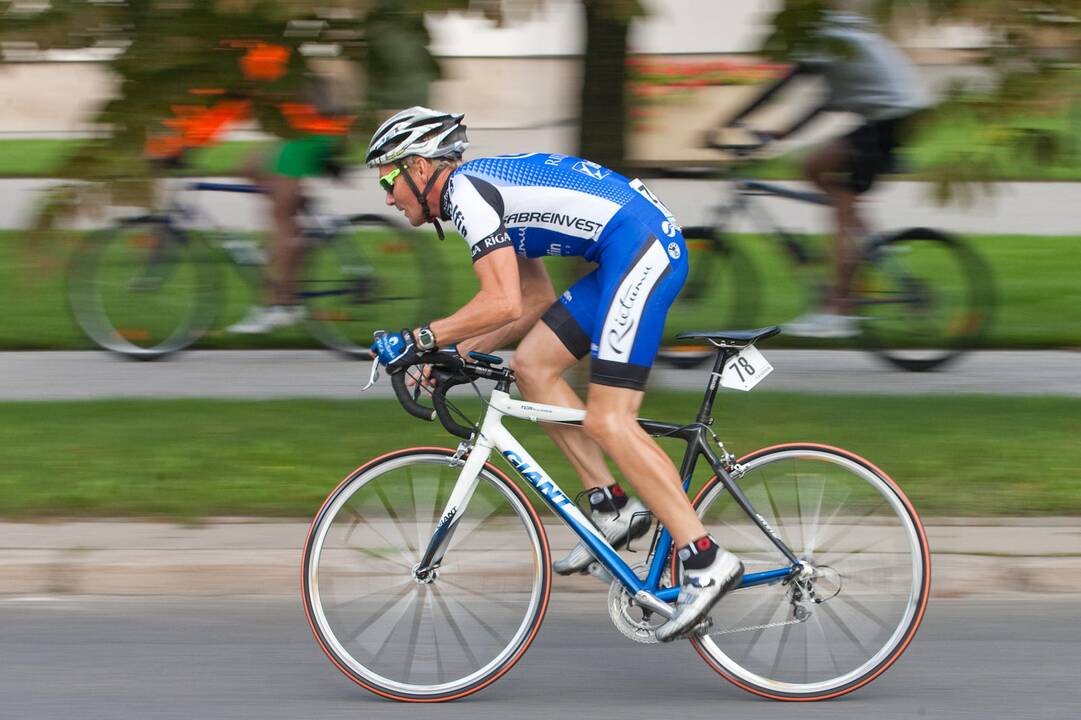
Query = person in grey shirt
x=869 y=76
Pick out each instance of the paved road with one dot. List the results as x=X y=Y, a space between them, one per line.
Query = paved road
x=314 y=373
x=223 y=658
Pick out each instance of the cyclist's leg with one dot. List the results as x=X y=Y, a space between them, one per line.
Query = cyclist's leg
x=296 y=159
x=287 y=252
x=636 y=292
x=635 y=300
x=829 y=168
x=283 y=192
x=546 y=352
x=554 y=345
x=612 y=421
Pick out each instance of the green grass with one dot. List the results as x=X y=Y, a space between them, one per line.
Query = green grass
x=195 y=458
x=1036 y=290
x=45 y=158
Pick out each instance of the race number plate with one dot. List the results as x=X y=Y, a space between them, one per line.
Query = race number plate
x=745 y=370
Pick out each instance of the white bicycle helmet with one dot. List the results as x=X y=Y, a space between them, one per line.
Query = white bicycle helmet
x=417 y=131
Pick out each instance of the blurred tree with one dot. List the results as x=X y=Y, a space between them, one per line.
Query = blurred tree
x=603 y=111
x=173 y=58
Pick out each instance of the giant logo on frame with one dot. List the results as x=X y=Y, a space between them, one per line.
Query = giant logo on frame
x=537 y=479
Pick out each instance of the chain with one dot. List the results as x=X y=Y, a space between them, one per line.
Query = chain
x=793 y=621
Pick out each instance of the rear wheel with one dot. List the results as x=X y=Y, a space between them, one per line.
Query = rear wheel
x=371 y=275
x=861 y=596
x=143 y=288
x=925 y=298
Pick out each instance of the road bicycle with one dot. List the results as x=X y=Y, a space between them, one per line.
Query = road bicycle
x=152 y=284
x=923 y=296
x=426 y=573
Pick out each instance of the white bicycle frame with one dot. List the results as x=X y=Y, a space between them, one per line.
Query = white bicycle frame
x=494 y=436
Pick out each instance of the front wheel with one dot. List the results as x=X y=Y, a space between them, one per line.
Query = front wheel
x=451 y=632
x=866 y=574
x=143 y=288
x=371 y=275
x=925 y=297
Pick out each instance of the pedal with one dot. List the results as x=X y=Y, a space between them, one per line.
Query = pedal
x=600 y=572
x=702 y=628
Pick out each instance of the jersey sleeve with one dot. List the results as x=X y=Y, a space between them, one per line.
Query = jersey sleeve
x=476 y=208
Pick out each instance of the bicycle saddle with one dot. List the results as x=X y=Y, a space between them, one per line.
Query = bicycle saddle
x=732 y=336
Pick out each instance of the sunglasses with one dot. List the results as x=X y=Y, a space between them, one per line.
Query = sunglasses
x=387 y=181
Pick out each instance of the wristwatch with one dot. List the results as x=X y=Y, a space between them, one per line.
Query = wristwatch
x=424 y=338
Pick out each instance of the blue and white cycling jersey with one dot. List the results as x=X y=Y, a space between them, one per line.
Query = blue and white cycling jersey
x=543 y=204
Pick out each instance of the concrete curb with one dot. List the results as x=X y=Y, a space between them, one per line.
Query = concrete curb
x=255 y=557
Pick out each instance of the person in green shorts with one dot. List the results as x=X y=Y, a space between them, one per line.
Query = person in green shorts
x=275 y=88
x=280 y=172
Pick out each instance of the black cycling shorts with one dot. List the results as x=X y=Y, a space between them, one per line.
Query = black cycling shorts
x=873 y=147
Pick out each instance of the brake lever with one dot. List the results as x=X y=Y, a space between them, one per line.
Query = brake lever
x=374 y=377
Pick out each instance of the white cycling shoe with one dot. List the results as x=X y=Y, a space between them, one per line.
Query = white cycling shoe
x=823 y=325
x=263 y=319
x=701 y=590
x=619 y=528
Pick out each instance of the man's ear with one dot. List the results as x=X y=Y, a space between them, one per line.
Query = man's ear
x=424 y=169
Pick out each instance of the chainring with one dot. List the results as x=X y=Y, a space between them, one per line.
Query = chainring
x=629 y=617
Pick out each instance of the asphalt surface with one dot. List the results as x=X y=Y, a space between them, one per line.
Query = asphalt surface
x=322 y=374
x=164 y=657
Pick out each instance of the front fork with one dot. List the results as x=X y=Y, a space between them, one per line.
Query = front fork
x=455 y=507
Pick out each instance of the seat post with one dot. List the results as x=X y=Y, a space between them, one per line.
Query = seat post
x=723 y=353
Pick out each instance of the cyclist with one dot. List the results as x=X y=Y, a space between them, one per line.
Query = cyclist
x=869 y=76
x=512 y=210
x=313 y=134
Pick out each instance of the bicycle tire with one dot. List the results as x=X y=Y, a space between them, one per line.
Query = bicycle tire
x=926 y=298
x=370 y=275
x=392 y=504
x=722 y=285
x=877 y=546
x=143 y=288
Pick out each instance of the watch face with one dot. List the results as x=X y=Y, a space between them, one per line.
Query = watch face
x=425 y=339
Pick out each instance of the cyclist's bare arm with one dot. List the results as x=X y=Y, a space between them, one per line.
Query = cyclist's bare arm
x=768 y=94
x=537 y=296
x=497 y=303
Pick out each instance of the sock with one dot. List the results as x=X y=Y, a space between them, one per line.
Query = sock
x=608 y=499
x=699 y=554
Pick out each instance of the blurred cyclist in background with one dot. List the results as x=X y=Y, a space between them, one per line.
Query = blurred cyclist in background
x=512 y=211
x=870 y=77
x=299 y=107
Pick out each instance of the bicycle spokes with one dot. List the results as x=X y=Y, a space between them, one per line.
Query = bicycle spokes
x=860 y=590
x=414 y=631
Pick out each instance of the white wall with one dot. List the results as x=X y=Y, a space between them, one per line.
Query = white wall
x=557 y=28
x=702 y=26
x=672 y=26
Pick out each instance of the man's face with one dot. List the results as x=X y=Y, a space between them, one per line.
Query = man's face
x=400 y=194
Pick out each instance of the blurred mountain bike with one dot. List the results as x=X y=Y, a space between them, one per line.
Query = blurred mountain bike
x=153 y=284
x=924 y=296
